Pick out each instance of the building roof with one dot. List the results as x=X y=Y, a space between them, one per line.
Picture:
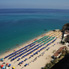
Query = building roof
x=59 y=51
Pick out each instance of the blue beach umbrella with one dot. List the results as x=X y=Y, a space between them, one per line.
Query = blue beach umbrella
x=3 y=67
x=25 y=59
x=25 y=65
x=22 y=62
x=9 y=65
x=2 y=59
x=18 y=59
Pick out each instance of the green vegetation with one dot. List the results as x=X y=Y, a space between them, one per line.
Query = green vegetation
x=54 y=61
x=62 y=43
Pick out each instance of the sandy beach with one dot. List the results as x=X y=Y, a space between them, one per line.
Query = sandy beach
x=41 y=58
x=21 y=46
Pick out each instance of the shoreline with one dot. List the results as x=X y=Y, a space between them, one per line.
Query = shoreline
x=41 y=56
x=25 y=43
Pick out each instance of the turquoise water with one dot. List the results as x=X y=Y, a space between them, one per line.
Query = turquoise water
x=19 y=26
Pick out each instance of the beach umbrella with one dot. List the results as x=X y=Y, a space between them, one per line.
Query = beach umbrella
x=25 y=59
x=9 y=65
x=25 y=65
x=35 y=39
x=2 y=59
x=2 y=66
x=22 y=62
x=13 y=68
x=18 y=59
x=14 y=49
x=19 y=63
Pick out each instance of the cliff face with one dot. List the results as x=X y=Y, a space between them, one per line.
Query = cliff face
x=65 y=27
x=65 y=30
x=67 y=39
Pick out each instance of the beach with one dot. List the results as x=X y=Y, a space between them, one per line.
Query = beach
x=41 y=58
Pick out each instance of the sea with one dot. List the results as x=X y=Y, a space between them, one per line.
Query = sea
x=17 y=26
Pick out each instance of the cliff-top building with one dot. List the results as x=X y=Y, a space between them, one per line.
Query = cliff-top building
x=65 y=34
